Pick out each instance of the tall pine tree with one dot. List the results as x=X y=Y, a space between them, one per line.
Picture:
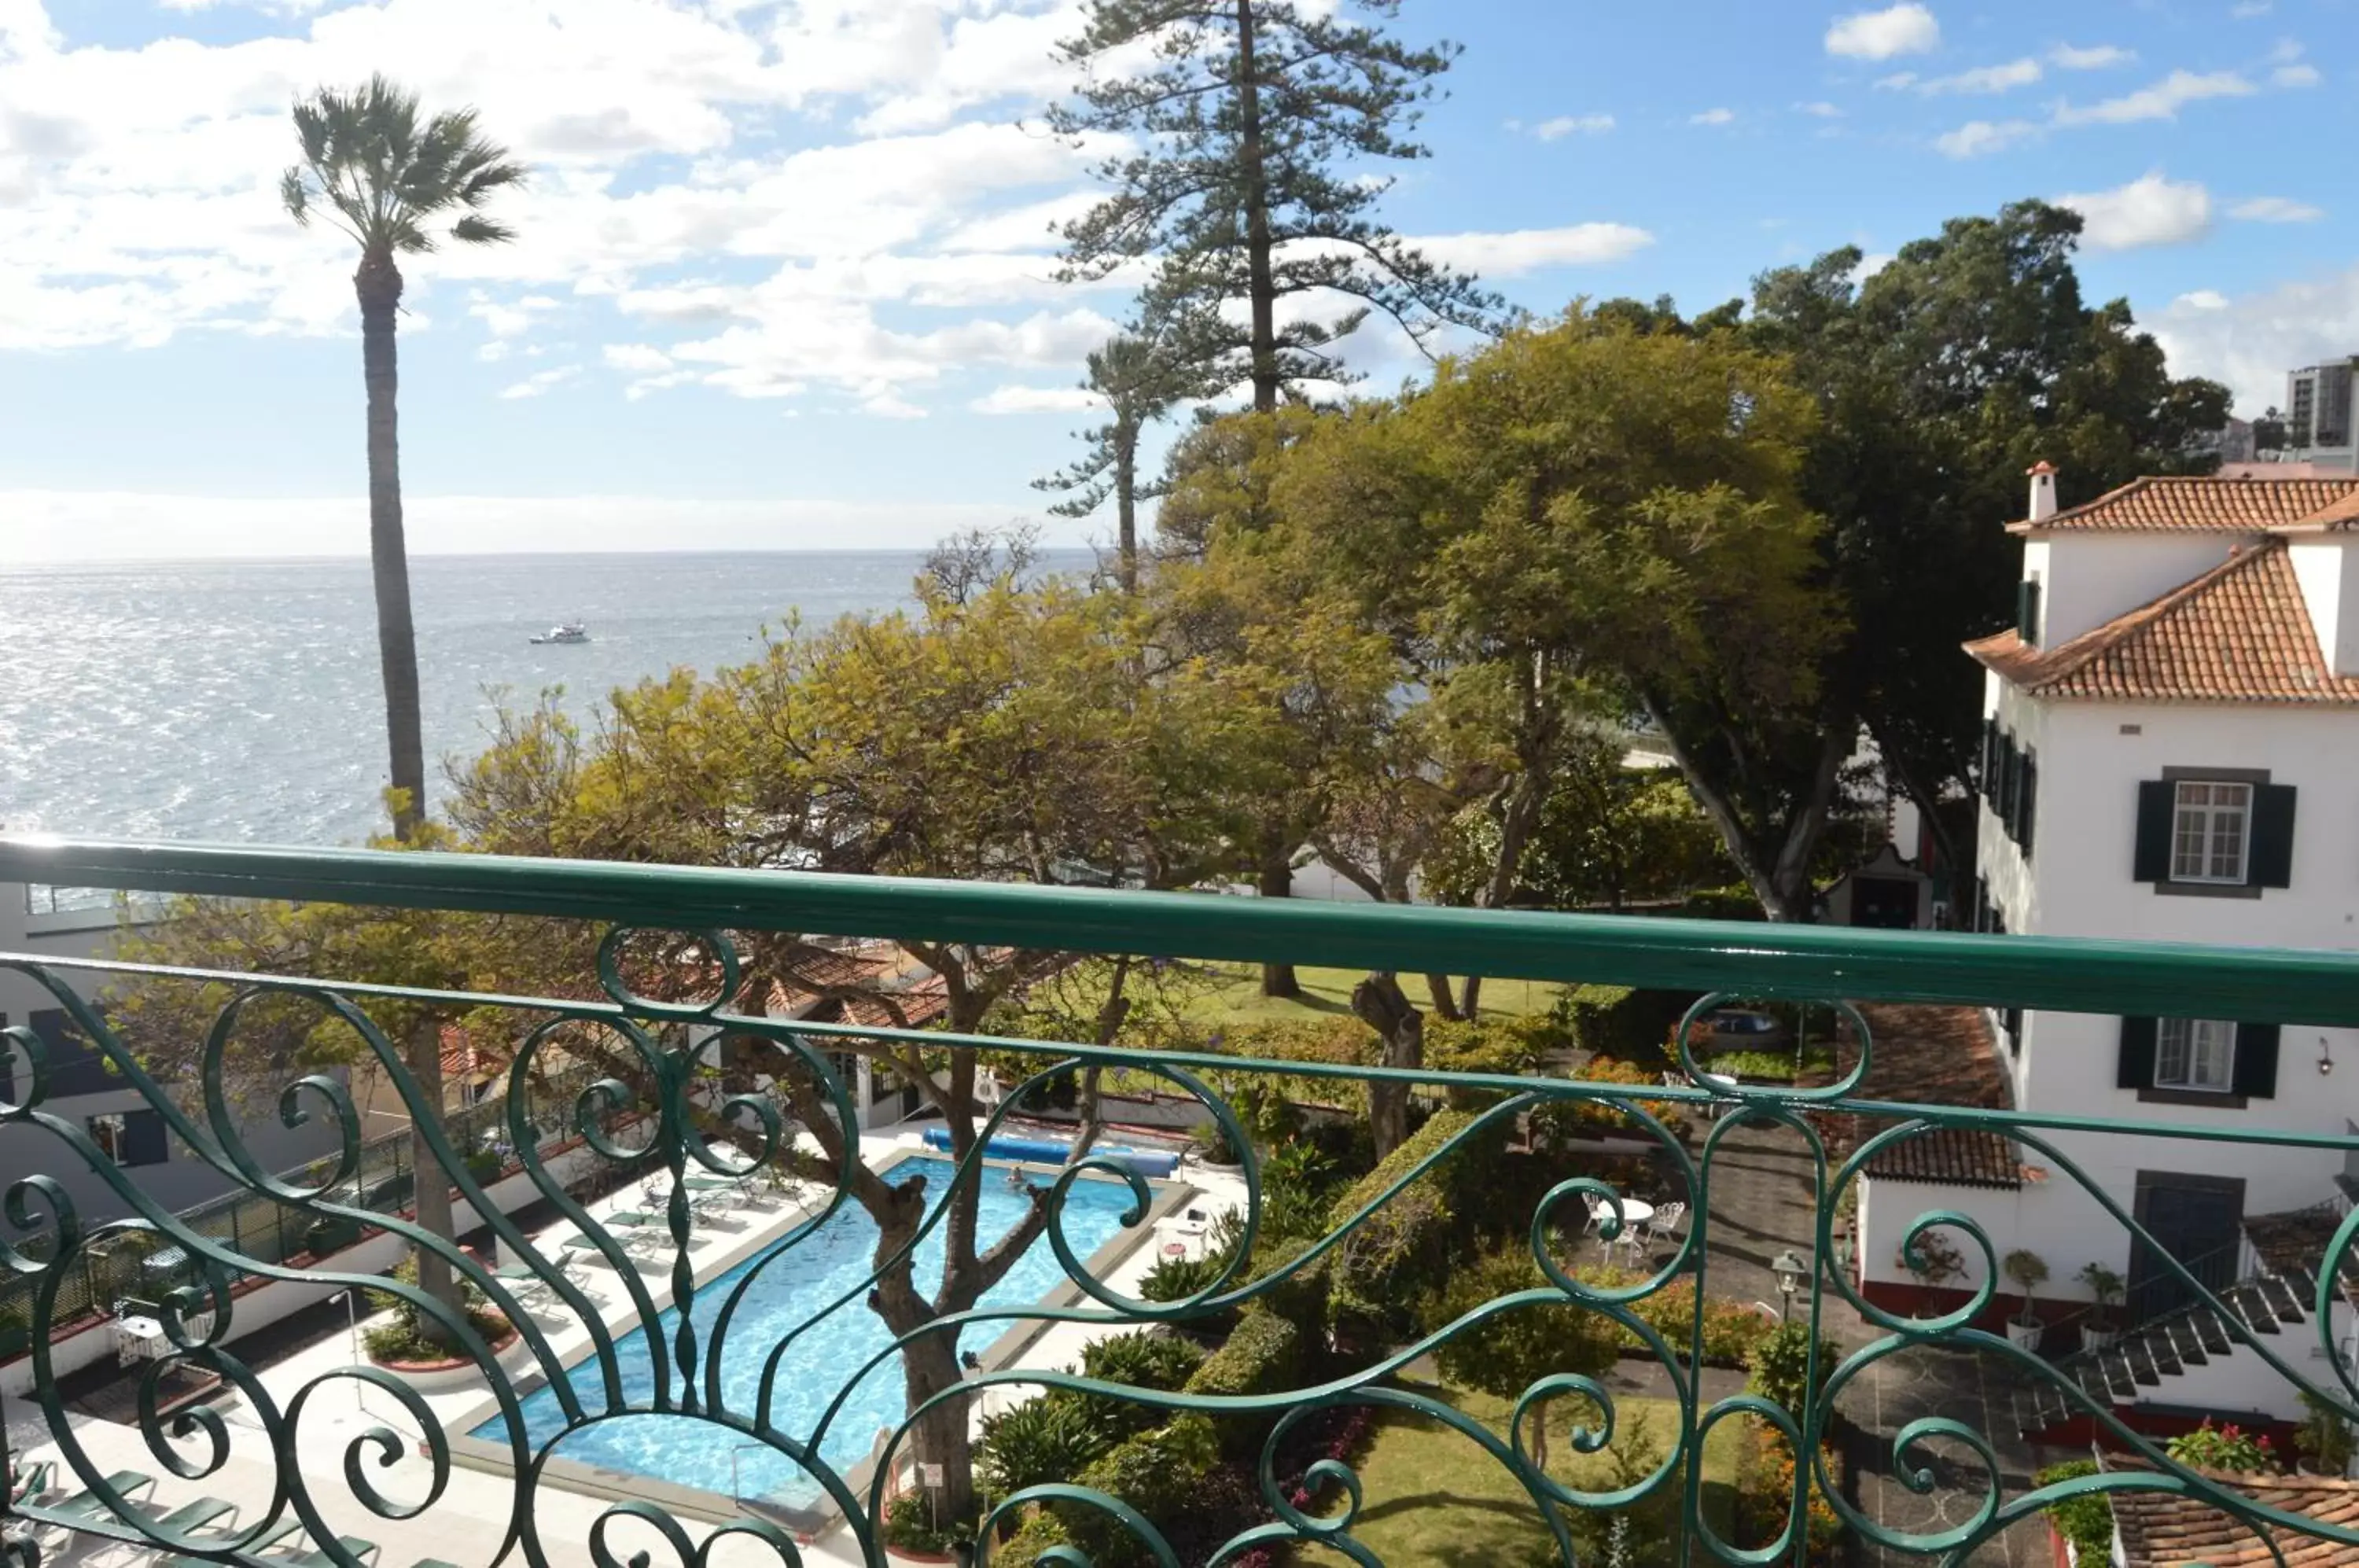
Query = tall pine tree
x=1135 y=375
x=1254 y=124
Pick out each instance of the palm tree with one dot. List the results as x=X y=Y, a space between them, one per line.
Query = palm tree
x=387 y=178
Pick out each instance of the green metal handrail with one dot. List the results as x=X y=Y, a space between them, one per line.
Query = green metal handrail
x=671 y=1095
x=2071 y=974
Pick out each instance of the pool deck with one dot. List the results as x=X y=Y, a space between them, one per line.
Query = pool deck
x=466 y=1524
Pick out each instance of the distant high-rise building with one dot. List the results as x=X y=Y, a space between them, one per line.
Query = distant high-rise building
x=2319 y=422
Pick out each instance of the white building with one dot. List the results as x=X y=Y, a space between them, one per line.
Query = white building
x=2171 y=754
x=2322 y=425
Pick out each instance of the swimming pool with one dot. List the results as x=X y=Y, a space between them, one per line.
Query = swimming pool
x=825 y=1266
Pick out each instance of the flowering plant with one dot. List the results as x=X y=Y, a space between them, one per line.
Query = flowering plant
x=2229 y=1447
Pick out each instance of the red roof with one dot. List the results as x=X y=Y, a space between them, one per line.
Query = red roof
x=2240 y=632
x=2173 y=504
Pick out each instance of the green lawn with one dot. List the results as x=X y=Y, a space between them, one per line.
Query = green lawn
x=1433 y=1497
x=1235 y=994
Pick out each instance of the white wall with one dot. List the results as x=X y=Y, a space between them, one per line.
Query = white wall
x=2328 y=570
x=2026 y=1216
x=2087 y=579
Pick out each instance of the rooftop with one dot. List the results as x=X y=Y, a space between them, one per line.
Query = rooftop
x=1936 y=1056
x=2240 y=632
x=2163 y=1529
x=2191 y=504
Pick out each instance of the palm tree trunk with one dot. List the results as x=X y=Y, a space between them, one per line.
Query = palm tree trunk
x=431 y=1182
x=378 y=283
x=1125 y=501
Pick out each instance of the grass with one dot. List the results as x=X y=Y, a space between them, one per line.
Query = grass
x=1234 y=995
x=1433 y=1497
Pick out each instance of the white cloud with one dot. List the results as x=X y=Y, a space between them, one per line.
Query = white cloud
x=2004 y=77
x=1822 y=110
x=2200 y=299
x=1517 y=252
x=2064 y=56
x=2162 y=101
x=1016 y=399
x=2276 y=210
x=1908 y=28
x=2295 y=76
x=540 y=381
x=1712 y=117
x=1563 y=125
x=891 y=405
x=2148 y=211
x=508 y=319
x=1899 y=81
x=1870 y=264
x=1979 y=138
x=640 y=359
x=2250 y=341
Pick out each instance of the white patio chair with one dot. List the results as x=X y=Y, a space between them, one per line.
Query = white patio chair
x=1665 y=1226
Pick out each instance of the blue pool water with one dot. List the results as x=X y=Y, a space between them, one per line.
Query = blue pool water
x=818 y=1271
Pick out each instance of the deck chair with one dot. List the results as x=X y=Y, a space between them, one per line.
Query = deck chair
x=26 y=1484
x=262 y=1543
x=89 y=1506
x=367 y=1550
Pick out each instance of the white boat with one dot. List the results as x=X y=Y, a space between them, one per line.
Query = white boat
x=571 y=631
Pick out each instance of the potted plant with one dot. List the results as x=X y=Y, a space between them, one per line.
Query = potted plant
x=2324 y=1438
x=2030 y=1271
x=2100 y=1331
x=1934 y=1262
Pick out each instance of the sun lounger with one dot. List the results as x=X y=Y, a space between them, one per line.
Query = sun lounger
x=366 y=1551
x=87 y=1506
x=262 y=1543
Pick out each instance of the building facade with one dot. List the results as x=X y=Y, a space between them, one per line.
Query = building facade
x=2171 y=754
x=2322 y=425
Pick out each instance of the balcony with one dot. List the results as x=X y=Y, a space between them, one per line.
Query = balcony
x=743 y=1148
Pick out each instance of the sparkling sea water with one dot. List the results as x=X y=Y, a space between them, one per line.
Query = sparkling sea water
x=833 y=1261
x=240 y=702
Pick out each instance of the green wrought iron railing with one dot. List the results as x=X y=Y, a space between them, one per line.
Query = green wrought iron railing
x=786 y=1259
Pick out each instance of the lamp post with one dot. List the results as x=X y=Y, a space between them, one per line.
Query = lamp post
x=1790 y=1270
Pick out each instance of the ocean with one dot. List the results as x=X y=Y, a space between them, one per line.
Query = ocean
x=239 y=701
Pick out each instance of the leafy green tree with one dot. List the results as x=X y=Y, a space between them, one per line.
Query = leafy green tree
x=388 y=179
x=1581 y=520
x=1254 y=125
x=1969 y=357
x=1135 y=376
x=1509 y=1352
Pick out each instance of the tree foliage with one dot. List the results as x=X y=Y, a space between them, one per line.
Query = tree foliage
x=1508 y=1352
x=1249 y=130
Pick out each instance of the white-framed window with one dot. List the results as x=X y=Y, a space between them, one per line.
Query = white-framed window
x=2195 y=1053
x=2212 y=828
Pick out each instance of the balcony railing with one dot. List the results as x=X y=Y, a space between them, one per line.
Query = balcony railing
x=737 y=1104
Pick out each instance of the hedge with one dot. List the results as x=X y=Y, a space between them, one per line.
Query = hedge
x=1402 y=1249
x=1023 y=1549
x=1157 y=1473
x=1301 y=1297
x=1263 y=1356
x=1620 y=1021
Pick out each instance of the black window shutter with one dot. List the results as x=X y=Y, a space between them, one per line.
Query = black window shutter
x=1990 y=761
x=2029 y=807
x=2137 y=1069
x=2154 y=812
x=2026 y=611
x=2256 y=1061
x=143 y=1139
x=2006 y=779
x=2271 y=862
x=2016 y=759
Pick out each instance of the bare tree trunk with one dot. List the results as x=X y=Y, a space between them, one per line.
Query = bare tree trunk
x=1379 y=1003
x=1781 y=880
x=1275 y=881
x=1525 y=800
x=944 y=1435
x=1261 y=283
x=378 y=283
x=1445 y=1005
x=431 y=1185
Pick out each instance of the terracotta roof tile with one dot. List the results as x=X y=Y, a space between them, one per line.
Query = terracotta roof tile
x=2165 y=1530
x=2165 y=503
x=1933 y=1056
x=2240 y=632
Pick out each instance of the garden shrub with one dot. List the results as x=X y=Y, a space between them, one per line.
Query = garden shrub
x=2229 y=1447
x=1732 y=1330
x=1262 y=1357
x=1157 y=1473
x=1734 y=902
x=1570 y=1117
x=1300 y=1298
x=1621 y=1020
x=2086 y=1521
x=1053 y=1436
x=1405 y=1247
x=1766 y=1495
x=1780 y=1367
x=1023 y=1549
x=1338 y=1039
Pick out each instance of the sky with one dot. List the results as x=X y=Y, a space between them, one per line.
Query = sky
x=785 y=275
